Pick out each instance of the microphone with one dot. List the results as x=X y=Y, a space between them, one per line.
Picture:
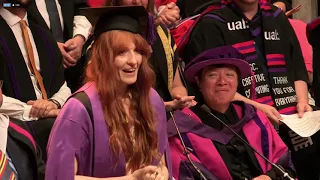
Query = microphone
x=277 y=167
x=185 y=149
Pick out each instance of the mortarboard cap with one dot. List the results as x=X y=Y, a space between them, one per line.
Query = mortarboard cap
x=134 y=19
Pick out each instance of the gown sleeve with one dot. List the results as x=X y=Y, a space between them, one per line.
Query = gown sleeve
x=69 y=138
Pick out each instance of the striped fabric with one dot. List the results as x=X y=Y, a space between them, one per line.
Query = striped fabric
x=6 y=173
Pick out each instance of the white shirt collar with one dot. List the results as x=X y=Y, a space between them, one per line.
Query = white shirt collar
x=11 y=18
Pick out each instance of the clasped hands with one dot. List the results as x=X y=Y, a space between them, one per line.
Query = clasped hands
x=150 y=173
x=169 y=14
x=71 y=50
x=180 y=102
x=43 y=109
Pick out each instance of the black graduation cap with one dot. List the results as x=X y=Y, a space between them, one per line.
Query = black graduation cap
x=134 y=19
x=313 y=32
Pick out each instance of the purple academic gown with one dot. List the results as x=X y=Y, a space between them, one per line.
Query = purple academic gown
x=72 y=136
x=257 y=129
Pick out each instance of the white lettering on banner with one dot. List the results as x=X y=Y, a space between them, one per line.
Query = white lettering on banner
x=254 y=67
x=277 y=91
x=285 y=100
x=262 y=89
x=273 y=35
x=288 y=89
x=280 y=80
x=237 y=25
x=248 y=93
x=299 y=142
x=257 y=77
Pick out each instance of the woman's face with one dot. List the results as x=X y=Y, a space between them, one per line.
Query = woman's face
x=218 y=85
x=133 y=2
x=128 y=62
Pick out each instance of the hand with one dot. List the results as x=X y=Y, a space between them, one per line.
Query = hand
x=68 y=61
x=293 y=10
x=169 y=14
x=41 y=108
x=303 y=107
x=74 y=46
x=141 y=173
x=160 y=174
x=53 y=113
x=271 y=112
x=180 y=102
x=262 y=177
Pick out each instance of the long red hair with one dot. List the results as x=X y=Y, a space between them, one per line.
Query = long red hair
x=142 y=148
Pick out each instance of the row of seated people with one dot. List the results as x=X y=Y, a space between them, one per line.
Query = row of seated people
x=123 y=111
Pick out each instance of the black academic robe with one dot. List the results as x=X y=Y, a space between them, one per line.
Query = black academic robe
x=69 y=8
x=17 y=80
x=24 y=152
x=164 y=62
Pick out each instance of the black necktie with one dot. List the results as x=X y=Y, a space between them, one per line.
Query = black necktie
x=6 y=171
x=55 y=24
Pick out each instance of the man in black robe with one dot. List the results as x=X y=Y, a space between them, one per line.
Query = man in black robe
x=34 y=87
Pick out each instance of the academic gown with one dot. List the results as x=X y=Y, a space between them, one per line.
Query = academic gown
x=69 y=9
x=24 y=152
x=17 y=81
x=222 y=163
x=164 y=62
x=73 y=136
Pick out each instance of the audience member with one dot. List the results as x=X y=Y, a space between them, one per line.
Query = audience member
x=115 y=126
x=34 y=87
x=20 y=158
x=69 y=28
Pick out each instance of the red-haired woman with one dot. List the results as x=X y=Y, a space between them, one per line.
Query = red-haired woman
x=164 y=60
x=114 y=127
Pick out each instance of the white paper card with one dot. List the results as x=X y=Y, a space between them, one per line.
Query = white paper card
x=306 y=126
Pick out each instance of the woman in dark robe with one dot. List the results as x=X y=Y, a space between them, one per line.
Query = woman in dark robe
x=114 y=127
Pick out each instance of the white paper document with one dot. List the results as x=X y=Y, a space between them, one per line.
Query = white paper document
x=306 y=126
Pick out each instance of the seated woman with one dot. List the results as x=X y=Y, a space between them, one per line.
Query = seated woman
x=114 y=127
x=217 y=151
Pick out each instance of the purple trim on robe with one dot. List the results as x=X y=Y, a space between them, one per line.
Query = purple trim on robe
x=264 y=13
x=213 y=161
x=51 y=54
x=277 y=69
x=186 y=124
x=12 y=70
x=264 y=136
x=79 y=141
x=252 y=57
x=277 y=12
x=214 y=16
x=256 y=32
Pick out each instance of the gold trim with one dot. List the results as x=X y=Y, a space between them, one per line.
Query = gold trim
x=166 y=43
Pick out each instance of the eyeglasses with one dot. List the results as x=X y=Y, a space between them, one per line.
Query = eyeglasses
x=1 y=83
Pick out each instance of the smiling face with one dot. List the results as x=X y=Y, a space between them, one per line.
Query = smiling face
x=128 y=62
x=218 y=84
